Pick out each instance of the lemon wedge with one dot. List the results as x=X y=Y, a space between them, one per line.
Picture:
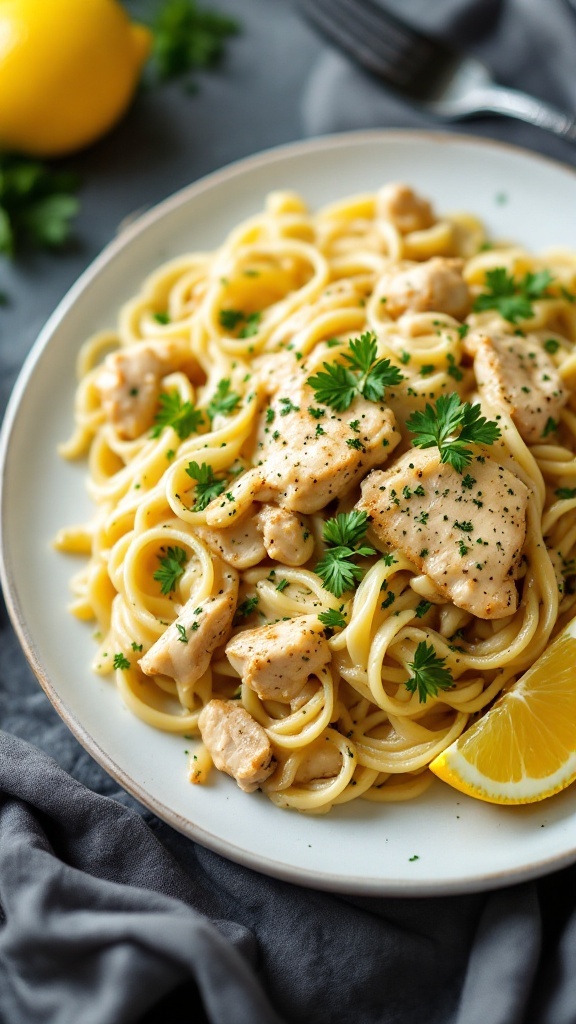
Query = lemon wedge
x=524 y=748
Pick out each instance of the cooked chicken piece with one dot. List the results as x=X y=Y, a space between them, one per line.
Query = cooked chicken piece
x=184 y=650
x=130 y=381
x=406 y=210
x=304 y=460
x=240 y=544
x=237 y=743
x=515 y=373
x=466 y=532
x=322 y=760
x=287 y=536
x=276 y=660
x=435 y=285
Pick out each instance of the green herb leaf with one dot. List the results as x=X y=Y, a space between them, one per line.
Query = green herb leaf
x=337 y=385
x=245 y=609
x=187 y=37
x=332 y=618
x=450 y=425
x=37 y=205
x=173 y=412
x=344 y=534
x=512 y=297
x=208 y=486
x=120 y=661
x=428 y=673
x=223 y=401
x=172 y=566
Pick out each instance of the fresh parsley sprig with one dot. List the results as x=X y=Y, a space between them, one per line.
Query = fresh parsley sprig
x=451 y=425
x=338 y=385
x=172 y=566
x=332 y=619
x=173 y=412
x=429 y=674
x=513 y=297
x=187 y=37
x=208 y=486
x=37 y=204
x=344 y=535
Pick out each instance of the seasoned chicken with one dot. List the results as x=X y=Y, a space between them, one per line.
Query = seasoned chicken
x=130 y=381
x=404 y=208
x=184 y=650
x=276 y=660
x=515 y=373
x=305 y=459
x=287 y=536
x=237 y=743
x=322 y=760
x=465 y=532
x=240 y=544
x=435 y=285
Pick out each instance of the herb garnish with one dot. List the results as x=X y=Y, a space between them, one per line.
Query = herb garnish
x=173 y=412
x=365 y=375
x=332 y=618
x=513 y=297
x=120 y=661
x=37 y=205
x=187 y=37
x=450 y=425
x=344 y=534
x=245 y=609
x=223 y=400
x=208 y=486
x=171 y=568
x=428 y=673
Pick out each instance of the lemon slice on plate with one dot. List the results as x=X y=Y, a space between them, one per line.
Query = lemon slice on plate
x=524 y=747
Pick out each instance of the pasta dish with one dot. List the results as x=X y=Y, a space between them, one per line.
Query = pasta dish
x=334 y=471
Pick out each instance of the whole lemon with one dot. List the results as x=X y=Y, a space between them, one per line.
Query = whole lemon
x=68 y=71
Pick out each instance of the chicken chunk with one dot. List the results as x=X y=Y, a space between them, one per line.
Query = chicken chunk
x=465 y=532
x=287 y=536
x=435 y=285
x=515 y=373
x=237 y=744
x=276 y=660
x=322 y=760
x=406 y=210
x=240 y=544
x=130 y=382
x=184 y=650
x=305 y=460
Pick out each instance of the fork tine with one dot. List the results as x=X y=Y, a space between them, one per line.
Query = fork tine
x=383 y=44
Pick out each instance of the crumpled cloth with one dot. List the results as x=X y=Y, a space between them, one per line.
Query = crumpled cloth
x=107 y=915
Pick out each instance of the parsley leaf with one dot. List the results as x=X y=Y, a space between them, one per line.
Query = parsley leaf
x=512 y=297
x=37 y=205
x=428 y=673
x=173 y=412
x=120 y=661
x=565 y=492
x=223 y=400
x=245 y=609
x=171 y=568
x=344 y=534
x=207 y=487
x=332 y=619
x=338 y=385
x=438 y=426
x=187 y=37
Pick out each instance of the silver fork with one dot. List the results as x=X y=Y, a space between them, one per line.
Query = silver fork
x=425 y=71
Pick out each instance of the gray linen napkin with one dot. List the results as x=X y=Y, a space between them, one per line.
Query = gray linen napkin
x=109 y=916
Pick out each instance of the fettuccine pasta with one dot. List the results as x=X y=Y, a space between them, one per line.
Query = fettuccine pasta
x=334 y=471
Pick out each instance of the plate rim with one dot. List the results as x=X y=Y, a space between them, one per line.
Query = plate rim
x=358 y=885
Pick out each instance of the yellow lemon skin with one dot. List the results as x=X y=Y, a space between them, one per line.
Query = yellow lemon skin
x=68 y=71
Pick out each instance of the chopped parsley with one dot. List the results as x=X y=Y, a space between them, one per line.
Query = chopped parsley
x=245 y=609
x=181 y=416
x=450 y=425
x=513 y=297
x=565 y=492
x=223 y=401
x=428 y=673
x=343 y=535
x=172 y=566
x=208 y=486
x=338 y=385
x=183 y=638
x=120 y=661
x=230 y=319
x=332 y=618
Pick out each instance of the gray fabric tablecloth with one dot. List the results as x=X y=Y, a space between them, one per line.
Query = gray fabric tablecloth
x=95 y=929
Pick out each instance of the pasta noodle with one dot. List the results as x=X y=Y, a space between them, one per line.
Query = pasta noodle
x=205 y=564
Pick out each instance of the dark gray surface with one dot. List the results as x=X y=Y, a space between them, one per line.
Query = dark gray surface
x=109 y=915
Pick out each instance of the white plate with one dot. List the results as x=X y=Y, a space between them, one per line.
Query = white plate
x=440 y=843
